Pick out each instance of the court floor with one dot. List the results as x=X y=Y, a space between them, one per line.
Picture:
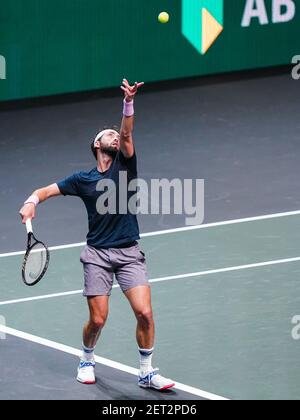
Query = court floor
x=224 y=296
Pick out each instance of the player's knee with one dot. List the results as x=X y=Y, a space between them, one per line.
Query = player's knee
x=145 y=316
x=98 y=322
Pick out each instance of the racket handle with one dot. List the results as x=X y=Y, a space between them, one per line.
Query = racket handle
x=28 y=226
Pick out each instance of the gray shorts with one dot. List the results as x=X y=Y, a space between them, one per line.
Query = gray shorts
x=100 y=265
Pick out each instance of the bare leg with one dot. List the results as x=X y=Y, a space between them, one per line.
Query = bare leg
x=98 y=306
x=140 y=301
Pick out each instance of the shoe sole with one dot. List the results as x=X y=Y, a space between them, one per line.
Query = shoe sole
x=157 y=389
x=86 y=382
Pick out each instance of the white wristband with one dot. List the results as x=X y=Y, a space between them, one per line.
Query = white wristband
x=34 y=199
x=128 y=108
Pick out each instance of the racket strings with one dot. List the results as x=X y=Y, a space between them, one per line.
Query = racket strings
x=35 y=263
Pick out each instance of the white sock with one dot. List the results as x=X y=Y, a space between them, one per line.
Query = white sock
x=146 y=360
x=87 y=353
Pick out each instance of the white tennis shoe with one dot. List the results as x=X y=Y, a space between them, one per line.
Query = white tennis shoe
x=153 y=380
x=86 y=372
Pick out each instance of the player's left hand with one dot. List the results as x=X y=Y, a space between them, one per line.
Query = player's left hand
x=130 y=91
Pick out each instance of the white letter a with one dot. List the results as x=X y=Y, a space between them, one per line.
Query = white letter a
x=255 y=9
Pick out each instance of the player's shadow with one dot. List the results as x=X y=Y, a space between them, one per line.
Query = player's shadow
x=122 y=386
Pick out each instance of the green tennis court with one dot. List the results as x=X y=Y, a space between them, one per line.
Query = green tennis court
x=224 y=296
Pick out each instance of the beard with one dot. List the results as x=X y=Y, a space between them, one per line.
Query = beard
x=110 y=151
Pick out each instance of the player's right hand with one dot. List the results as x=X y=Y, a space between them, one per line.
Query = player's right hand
x=27 y=212
x=130 y=91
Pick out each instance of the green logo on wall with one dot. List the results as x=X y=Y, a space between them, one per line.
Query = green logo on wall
x=202 y=22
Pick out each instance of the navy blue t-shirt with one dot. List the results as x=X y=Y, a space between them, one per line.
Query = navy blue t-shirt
x=105 y=230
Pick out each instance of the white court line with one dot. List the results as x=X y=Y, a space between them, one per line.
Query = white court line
x=182 y=229
x=41 y=297
x=168 y=278
x=101 y=360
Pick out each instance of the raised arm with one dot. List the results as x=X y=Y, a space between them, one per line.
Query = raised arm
x=126 y=140
x=38 y=196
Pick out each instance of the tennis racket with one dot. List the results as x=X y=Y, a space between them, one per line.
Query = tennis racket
x=36 y=259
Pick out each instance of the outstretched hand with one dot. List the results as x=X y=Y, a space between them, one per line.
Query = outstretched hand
x=130 y=91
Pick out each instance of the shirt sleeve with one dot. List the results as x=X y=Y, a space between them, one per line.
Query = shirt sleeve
x=69 y=185
x=131 y=163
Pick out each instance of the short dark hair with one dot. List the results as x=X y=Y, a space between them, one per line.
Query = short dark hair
x=94 y=150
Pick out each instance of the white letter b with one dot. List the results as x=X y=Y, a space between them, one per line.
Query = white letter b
x=286 y=15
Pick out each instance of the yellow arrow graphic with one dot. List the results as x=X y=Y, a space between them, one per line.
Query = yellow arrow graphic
x=211 y=29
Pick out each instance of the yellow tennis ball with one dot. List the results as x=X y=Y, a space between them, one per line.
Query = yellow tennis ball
x=163 y=17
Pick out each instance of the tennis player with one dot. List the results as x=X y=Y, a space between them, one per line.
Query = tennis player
x=112 y=247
